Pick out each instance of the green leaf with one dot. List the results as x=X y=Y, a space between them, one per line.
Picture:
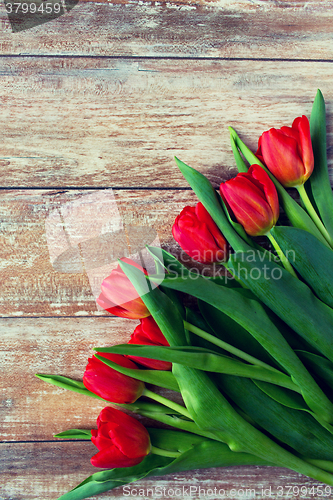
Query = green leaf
x=206 y=405
x=312 y=259
x=161 y=378
x=297 y=216
x=251 y=315
x=318 y=365
x=206 y=454
x=109 y=479
x=239 y=228
x=291 y=400
x=74 y=434
x=167 y=260
x=242 y=167
x=295 y=428
x=76 y=386
x=319 y=180
x=212 y=412
x=67 y=383
x=208 y=197
x=228 y=330
x=284 y=396
x=197 y=319
x=289 y=298
x=161 y=307
x=201 y=359
x=203 y=454
x=172 y=440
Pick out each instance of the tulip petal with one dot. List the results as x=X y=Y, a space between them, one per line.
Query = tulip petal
x=204 y=217
x=110 y=384
x=291 y=132
x=119 y=296
x=148 y=333
x=132 y=440
x=196 y=238
x=124 y=431
x=281 y=156
x=118 y=289
x=112 y=457
x=248 y=203
x=305 y=143
x=267 y=184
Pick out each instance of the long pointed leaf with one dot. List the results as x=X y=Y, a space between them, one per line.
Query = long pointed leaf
x=76 y=386
x=74 y=434
x=67 y=383
x=209 y=409
x=227 y=329
x=251 y=315
x=208 y=197
x=311 y=258
x=295 y=428
x=202 y=359
x=204 y=454
x=289 y=298
x=161 y=378
x=319 y=180
x=319 y=365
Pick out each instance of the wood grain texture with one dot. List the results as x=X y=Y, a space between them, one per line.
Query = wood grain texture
x=101 y=97
x=47 y=470
x=99 y=122
x=32 y=410
x=29 y=284
x=296 y=29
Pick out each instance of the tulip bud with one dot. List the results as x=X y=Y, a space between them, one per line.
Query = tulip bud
x=122 y=440
x=287 y=152
x=119 y=296
x=199 y=236
x=253 y=200
x=110 y=384
x=148 y=333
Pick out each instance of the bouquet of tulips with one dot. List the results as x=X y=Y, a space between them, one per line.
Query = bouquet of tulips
x=253 y=358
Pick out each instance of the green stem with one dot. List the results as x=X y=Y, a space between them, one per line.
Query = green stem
x=326 y=465
x=164 y=453
x=227 y=347
x=283 y=258
x=166 y=402
x=313 y=214
x=179 y=423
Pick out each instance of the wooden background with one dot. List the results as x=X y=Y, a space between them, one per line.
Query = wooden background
x=104 y=97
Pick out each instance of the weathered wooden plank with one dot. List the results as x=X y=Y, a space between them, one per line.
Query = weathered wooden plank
x=32 y=235
x=101 y=122
x=47 y=470
x=296 y=29
x=32 y=409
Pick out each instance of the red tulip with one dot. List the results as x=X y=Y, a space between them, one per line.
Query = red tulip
x=287 y=152
x=253 y=200
x=110 y=384
x=148 y=333
x=122 y=440
x=199 y=236
x=119 y=296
